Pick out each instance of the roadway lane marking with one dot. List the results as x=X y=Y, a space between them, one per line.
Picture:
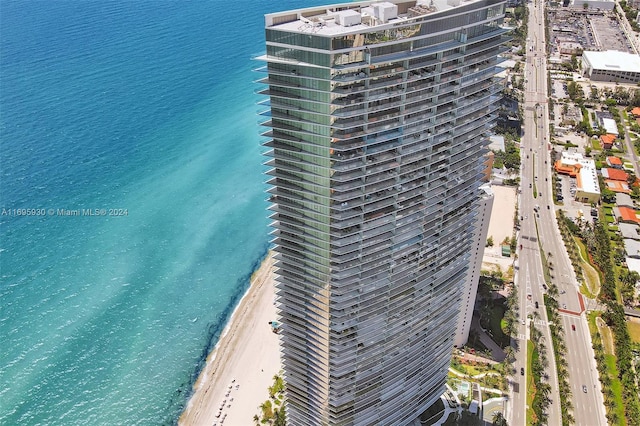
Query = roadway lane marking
x=568 y=313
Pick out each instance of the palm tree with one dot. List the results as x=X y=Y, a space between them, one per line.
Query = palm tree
x=509 y=354
x=267 y=410
x=280 y=418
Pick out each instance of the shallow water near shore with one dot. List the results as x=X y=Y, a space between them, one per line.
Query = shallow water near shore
x=129 y=132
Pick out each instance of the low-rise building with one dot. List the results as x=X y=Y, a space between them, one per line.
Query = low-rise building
x=614 y=162
x=592 y=4
x=607 y=140
x=612 y=66
x=632 y=248
x=626 y=215
x=610 y=127
x=633 y=264
x=584 y=170
x=617 y=186
x=624 y=200
x=569 y=48
x=496 y=143
x=629 y=231
x=614 y=174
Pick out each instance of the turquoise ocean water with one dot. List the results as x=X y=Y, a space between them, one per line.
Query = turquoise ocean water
x=147 y=107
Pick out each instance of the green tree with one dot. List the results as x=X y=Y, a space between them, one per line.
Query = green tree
x=499 y=420
x=280 y=418
x=608 y=196
x=575 y=92
x=574 y=63
x=267 y=410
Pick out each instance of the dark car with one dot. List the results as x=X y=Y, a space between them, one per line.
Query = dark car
x=536 y=305
x=521 y=371
x=573 y=327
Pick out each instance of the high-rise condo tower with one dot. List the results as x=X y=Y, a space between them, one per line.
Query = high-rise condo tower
x=379 y=114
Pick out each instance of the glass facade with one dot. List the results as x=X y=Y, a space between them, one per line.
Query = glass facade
x=376 y=134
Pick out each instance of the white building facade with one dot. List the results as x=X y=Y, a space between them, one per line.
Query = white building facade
x=611 y=66
x=379 y=116
x=470 y=291
x=593 y=4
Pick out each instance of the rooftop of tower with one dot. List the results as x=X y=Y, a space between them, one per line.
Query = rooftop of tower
x=349 y=18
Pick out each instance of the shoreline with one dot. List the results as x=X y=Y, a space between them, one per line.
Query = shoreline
x=240 y=368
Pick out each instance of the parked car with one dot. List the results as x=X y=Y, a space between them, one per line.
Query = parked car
x=522 y=372
x=573 y=327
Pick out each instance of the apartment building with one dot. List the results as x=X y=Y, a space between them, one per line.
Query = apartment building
x=378 y=118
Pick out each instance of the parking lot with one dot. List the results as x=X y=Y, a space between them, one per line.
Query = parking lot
x=608 y=35
x=592 y=30
x=566 y=188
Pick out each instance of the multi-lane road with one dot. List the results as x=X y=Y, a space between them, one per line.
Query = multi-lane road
x=539 y=231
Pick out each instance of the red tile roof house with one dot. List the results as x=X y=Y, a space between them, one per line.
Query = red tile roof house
x=614 y=174
x=607 y=140
x=617 y=186
x=614 y=162
x=636 y=111
x=625 y=214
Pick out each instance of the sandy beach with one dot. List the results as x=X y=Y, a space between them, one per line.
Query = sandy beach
x=241 y=367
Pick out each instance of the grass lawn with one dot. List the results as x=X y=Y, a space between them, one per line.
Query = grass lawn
x=595 y=143
x=591 y=277
x=634 y=331
x=616 y=388
x=612 y=370
x=468 y=369
x=606 y=335
x=608 y=218
x=531 y=390
x=591 y=320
